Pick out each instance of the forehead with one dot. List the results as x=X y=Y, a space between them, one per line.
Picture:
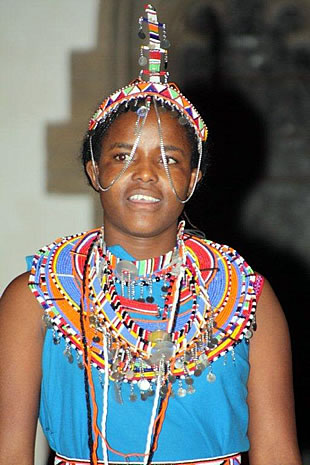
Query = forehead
x=123 y=129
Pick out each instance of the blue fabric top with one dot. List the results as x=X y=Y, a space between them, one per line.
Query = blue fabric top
x=210 y=423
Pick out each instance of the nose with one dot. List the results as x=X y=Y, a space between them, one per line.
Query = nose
x=144 y=169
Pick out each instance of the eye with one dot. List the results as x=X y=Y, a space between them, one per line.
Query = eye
x=122 y=157
x=170 y=160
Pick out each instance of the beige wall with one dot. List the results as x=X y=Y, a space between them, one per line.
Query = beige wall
x=37 y=40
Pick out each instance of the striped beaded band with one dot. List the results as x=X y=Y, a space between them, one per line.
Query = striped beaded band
x=234 y=459
x=163 y=93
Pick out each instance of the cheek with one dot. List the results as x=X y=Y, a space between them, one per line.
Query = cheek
x=181 y=178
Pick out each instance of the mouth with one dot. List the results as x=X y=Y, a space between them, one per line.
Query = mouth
x=142 y=198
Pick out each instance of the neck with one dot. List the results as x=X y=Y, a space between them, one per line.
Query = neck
x=141 y=247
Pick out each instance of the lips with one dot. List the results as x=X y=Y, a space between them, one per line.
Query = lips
x=143 y=198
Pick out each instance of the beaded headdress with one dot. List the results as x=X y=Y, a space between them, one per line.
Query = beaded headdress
x=151 y=86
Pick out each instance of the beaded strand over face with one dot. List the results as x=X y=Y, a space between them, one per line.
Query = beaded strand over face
x=165 y=162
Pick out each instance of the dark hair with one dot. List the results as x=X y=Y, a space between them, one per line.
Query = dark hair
x=102 y=129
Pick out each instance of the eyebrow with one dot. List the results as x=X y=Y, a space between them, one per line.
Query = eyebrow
x=123 y=145
x=120 y=145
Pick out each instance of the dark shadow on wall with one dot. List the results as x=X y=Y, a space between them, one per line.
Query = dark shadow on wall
x=238 y=145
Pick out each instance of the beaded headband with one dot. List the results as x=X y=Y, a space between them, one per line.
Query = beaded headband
x=155 y=84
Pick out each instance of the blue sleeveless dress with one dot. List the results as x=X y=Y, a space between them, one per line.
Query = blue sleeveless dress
x=208 y=423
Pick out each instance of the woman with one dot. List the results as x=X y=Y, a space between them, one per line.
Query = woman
x=144 y=344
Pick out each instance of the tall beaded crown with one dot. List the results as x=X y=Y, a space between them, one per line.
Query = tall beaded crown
x=153 y=80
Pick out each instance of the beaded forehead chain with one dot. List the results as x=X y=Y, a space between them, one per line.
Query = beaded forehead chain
x=152 y=86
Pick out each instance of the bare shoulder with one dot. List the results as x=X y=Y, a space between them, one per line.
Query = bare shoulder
x=21 y=345
x=17 y=286
x=272 y=430
x=270 y=315
x=18 y=304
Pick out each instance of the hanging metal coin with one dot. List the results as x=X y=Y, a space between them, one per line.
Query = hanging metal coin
x=129 y=374
x=142 y=60
x=199 y=369
x=125 y=267
x=116 y=376
x=203 y=359
x=188 y=356
x=165 y=43
x=211 y=377
x=189 y=380
x=159 y=335
x=47 y=320
x=133 y=397
x=69 y=357
x=142 y=112
x=179 y=364
x=162 y=350
x=190 y=390
x=143 y=384
x=181 y=392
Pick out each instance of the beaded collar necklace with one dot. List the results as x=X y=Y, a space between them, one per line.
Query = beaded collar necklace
x=67 y=280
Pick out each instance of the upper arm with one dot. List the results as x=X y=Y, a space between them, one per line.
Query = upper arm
x=20 y=367
x=272 y=431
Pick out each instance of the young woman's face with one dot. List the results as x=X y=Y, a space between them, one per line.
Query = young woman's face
x=141 y=203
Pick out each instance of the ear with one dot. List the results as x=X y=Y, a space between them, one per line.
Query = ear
x=93 y=174
x=192 y=180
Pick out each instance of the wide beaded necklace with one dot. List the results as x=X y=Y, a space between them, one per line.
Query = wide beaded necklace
x=213 y=281
x=209 y=307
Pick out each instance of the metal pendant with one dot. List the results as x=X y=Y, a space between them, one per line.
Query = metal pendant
x=126 y=268
x=211 y=377
x=162 y=350
x=190 y=390
x=143 y=384
x=179 y=364
x=181 y=392
x=199 y=369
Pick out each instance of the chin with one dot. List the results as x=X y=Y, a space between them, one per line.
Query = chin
x=144 y=230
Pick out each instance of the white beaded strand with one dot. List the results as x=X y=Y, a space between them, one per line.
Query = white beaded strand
x=152 y=420
x=105 y=398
